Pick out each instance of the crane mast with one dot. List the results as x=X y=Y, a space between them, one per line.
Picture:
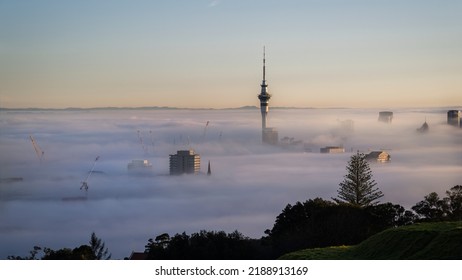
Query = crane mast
x=85 y=182
x=39 y=152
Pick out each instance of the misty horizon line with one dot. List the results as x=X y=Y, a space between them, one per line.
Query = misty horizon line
x=248 y=107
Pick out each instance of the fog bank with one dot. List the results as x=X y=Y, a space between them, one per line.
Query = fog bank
x=250 y=184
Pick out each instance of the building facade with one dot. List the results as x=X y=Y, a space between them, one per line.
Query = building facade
x=454 y=118
x=270 y=136
x=385 y=116
x=332 y=150
x=138 y=164
x=378 y=156
x=185 y=162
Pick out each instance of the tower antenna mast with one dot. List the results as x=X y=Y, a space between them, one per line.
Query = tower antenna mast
x=264 y=61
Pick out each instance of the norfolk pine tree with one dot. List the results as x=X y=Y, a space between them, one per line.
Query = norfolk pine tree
x=357 y=187
x=98 y=248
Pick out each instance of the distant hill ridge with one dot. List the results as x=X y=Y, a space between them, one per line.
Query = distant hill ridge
x=442 y=109
x=148 y=108
x=425 y=241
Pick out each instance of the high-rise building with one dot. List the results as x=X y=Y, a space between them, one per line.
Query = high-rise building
x=269 y=135
x=185 y=161
x=385 y=116
x=140 y=166
x=454 y=118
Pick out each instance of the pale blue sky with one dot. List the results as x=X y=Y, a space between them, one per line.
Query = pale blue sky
x=203 y=53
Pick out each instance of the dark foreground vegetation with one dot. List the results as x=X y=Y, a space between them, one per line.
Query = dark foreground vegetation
x=315 y=223
x=421 y=241
x=95 y=250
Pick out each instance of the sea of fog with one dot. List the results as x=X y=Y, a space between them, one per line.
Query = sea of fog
x=41 y=202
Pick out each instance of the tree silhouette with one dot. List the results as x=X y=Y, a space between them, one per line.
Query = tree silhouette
x=98 y=248
x=204 y=245
x=433 y=208
x=357 y=187
x=454 y=197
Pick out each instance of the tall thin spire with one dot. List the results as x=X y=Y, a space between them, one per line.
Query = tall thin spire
x=263 y=83
x=264 y=64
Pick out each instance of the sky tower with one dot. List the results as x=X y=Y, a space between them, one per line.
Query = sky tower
x=264 y=97
x=269 y=135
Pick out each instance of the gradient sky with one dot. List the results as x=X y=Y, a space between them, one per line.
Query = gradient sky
x=204 y=53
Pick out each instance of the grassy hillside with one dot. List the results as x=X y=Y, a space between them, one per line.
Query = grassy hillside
x=420 y=241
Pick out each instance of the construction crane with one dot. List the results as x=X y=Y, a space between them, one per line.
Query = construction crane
x=37 y=149
x=140 y=137
x=205 y=131
x=85 y=182
x=152 y=139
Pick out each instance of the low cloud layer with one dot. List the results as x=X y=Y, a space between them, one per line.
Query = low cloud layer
x=250 y=183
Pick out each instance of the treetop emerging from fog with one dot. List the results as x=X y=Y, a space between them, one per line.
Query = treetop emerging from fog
x=357 y=187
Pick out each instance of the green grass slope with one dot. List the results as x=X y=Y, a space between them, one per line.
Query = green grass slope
x=415 y=242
